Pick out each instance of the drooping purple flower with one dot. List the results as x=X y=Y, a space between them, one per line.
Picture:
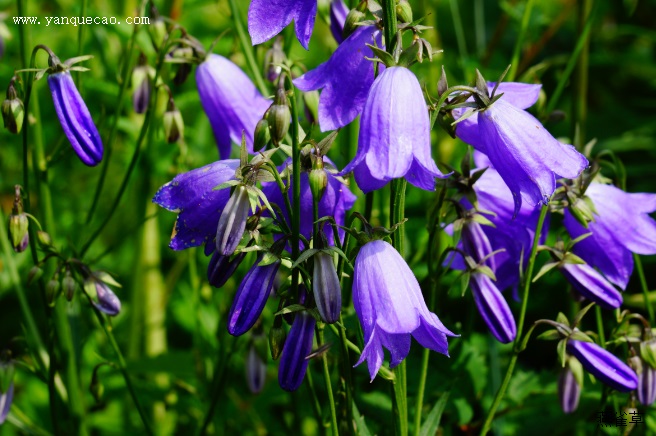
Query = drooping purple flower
x=231 y=102
x=198 y=205
x=338 y=13
x=391 y=308
x=293 y=362
x=221 y=268
x=255 y=371
x=527 y=157
x=622 y=225
x=251 y=297
x=232 y=221
x=75 y=118
x=394 y=138
x=267 y=18
x=106 y=300
x=493 y=308
x=5 y=402
x=647 y=385
x=592 y=285
x=569 y=390
x=345 y=79
x=607 y=368
x=325 y=287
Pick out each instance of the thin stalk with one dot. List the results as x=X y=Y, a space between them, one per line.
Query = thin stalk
x=124 y=371
x=514 y=63
x=247 y=48
x=296 y=188
x=600 y=326
x=329 y=388
x=580 y=100
x=645 y=287
x=80 y=41
x=520 y=325
x=346 y=372
x=316 y=407
x=460 y=32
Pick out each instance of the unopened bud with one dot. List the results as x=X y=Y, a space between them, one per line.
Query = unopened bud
x=13 y=111
x=97 y=389
x=7 y=372
x=34 y=274
x=18 y=225
x=255 y=371
x=44 y=239
x=70 y=286
x=318 y=179
x=277 y=336
x=157 y=28
x=173 y=123
x=279 y=117
x=262 y=136
x=326 y=288
x=648 y=352
x=351 y=23
x=52 y=289
x=274 y=59
x=181 y=74
x=142 y=86
x=404 y=11
x=232 y=221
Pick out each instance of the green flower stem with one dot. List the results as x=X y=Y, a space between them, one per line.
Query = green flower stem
x=107 y=328
x=517 y=348
x=109 y=145
x=600 y=326
x=517 y=51
x=346 y=370
x=80 y=42
x=247 y=48
x=580 y=100
x=460 y=33
x=296 y=187
x=316 y=406
x=645 y=288
x=326 y=375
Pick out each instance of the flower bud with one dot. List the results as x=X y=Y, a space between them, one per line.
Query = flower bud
x=404 y=11
x=102 y=297
x=262 y=136
x=221 y=268
x=5 y=403
x=607 y=368
x=293 y=363
x=338 y=13
x=277 y=336
x=326 y=288
x=156 y=28
x=273 y=60
x=255 y=371
x=13 y=111
x=279 y=116
x=232 y=222
x=97 y=389
x=44 y=239
x=569 y=389
x=18 y=224
x=648 y=352
x=351 y=23
x=69 y=286
x=647 y=385
x=494 y=308
x=142 y=86
x=52 y=290
x=7 y=372
x=173 y=123
x=34 y=274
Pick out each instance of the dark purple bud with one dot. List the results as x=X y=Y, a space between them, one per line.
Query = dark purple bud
x=13 y=111
x=592 y=285
x=141 y=96
x=5 y=402
x=75 y=118
x=325 y=285
x=221 y=268
x=173 y=123
x=18 y=224
x=647 y=385
x=338 y=13
x=493 y=308
x=255 y=371
x=103 y=298
x=274 y=59
x=293 y=362
x=607 y=368
x=251 y=297
x=232 y=222
x=569 y=390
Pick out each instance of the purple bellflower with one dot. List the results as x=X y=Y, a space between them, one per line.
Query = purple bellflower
x=5 y=402
x=198 y=205
x=592 y=285
x=231 y=102
x=394 y=138
x=106 y=300
x=75 y=118
x=267 y=18
x=345 y=79
x=607 y=368
x=391 y=308
x=293 y=362
x=527 y=157
x=251 y=297
x=569 y=390
x=338 y=13
x=493 y=308
x=255 y=371
x=621 y=226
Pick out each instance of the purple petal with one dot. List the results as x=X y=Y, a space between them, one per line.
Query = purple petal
x=520 y=95
x=326 y=287
x=107 y=302
x=592 y=285
x=232 y=221
x=647 y=385
x=569 y=390
x=338 y=13
x=607 y=368
x=293 y=362
x=267 y=18
x=493 y=308
x=221 y=268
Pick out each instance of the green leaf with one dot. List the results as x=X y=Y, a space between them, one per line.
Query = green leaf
x=545 y=269
x=290 y=309
x=549 y=335
x=360 y=426
x=304 y=256
x=432 y=423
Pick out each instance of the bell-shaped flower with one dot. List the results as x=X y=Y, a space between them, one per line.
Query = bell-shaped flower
x=345 y=79
x=5 y=402
x=493 y=308
x=267 y=18
x=592 y=285
x=221 y=268
x=198 y=204
x=607 y=368
x=255 y=371
x=394 y=139
x=251 y=297
x=646 y=385
x=232 y=221
x=231 y=102
x=569 y=389
x=75 y=118
x=338 y=13
x=528 y=158
x=106 y=300
x=391 y=308
x=325 y=287
x=621 y=226
x=293 y=361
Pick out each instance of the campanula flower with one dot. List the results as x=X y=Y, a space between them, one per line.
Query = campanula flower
x=621 y=226
x=267 y=18
x=231 y=102
x=102 y=296
x=527 y=157
x=293 y=362
x=326 y=288
x=394 y=138
x=607 y=368
x=493 y=308
x=569 y=390
x=251 y=297
x=255 y=371
x=75 y=118
x=345 y=79
x=592 y=285
x=198 y=204
x=391 y=308
x=338 y=13
x=5 y=402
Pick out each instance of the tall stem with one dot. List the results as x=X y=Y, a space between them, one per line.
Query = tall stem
x=520 y=325
x=329 y=388
x=296 y=188
x=514 y=63
x=580 y=100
